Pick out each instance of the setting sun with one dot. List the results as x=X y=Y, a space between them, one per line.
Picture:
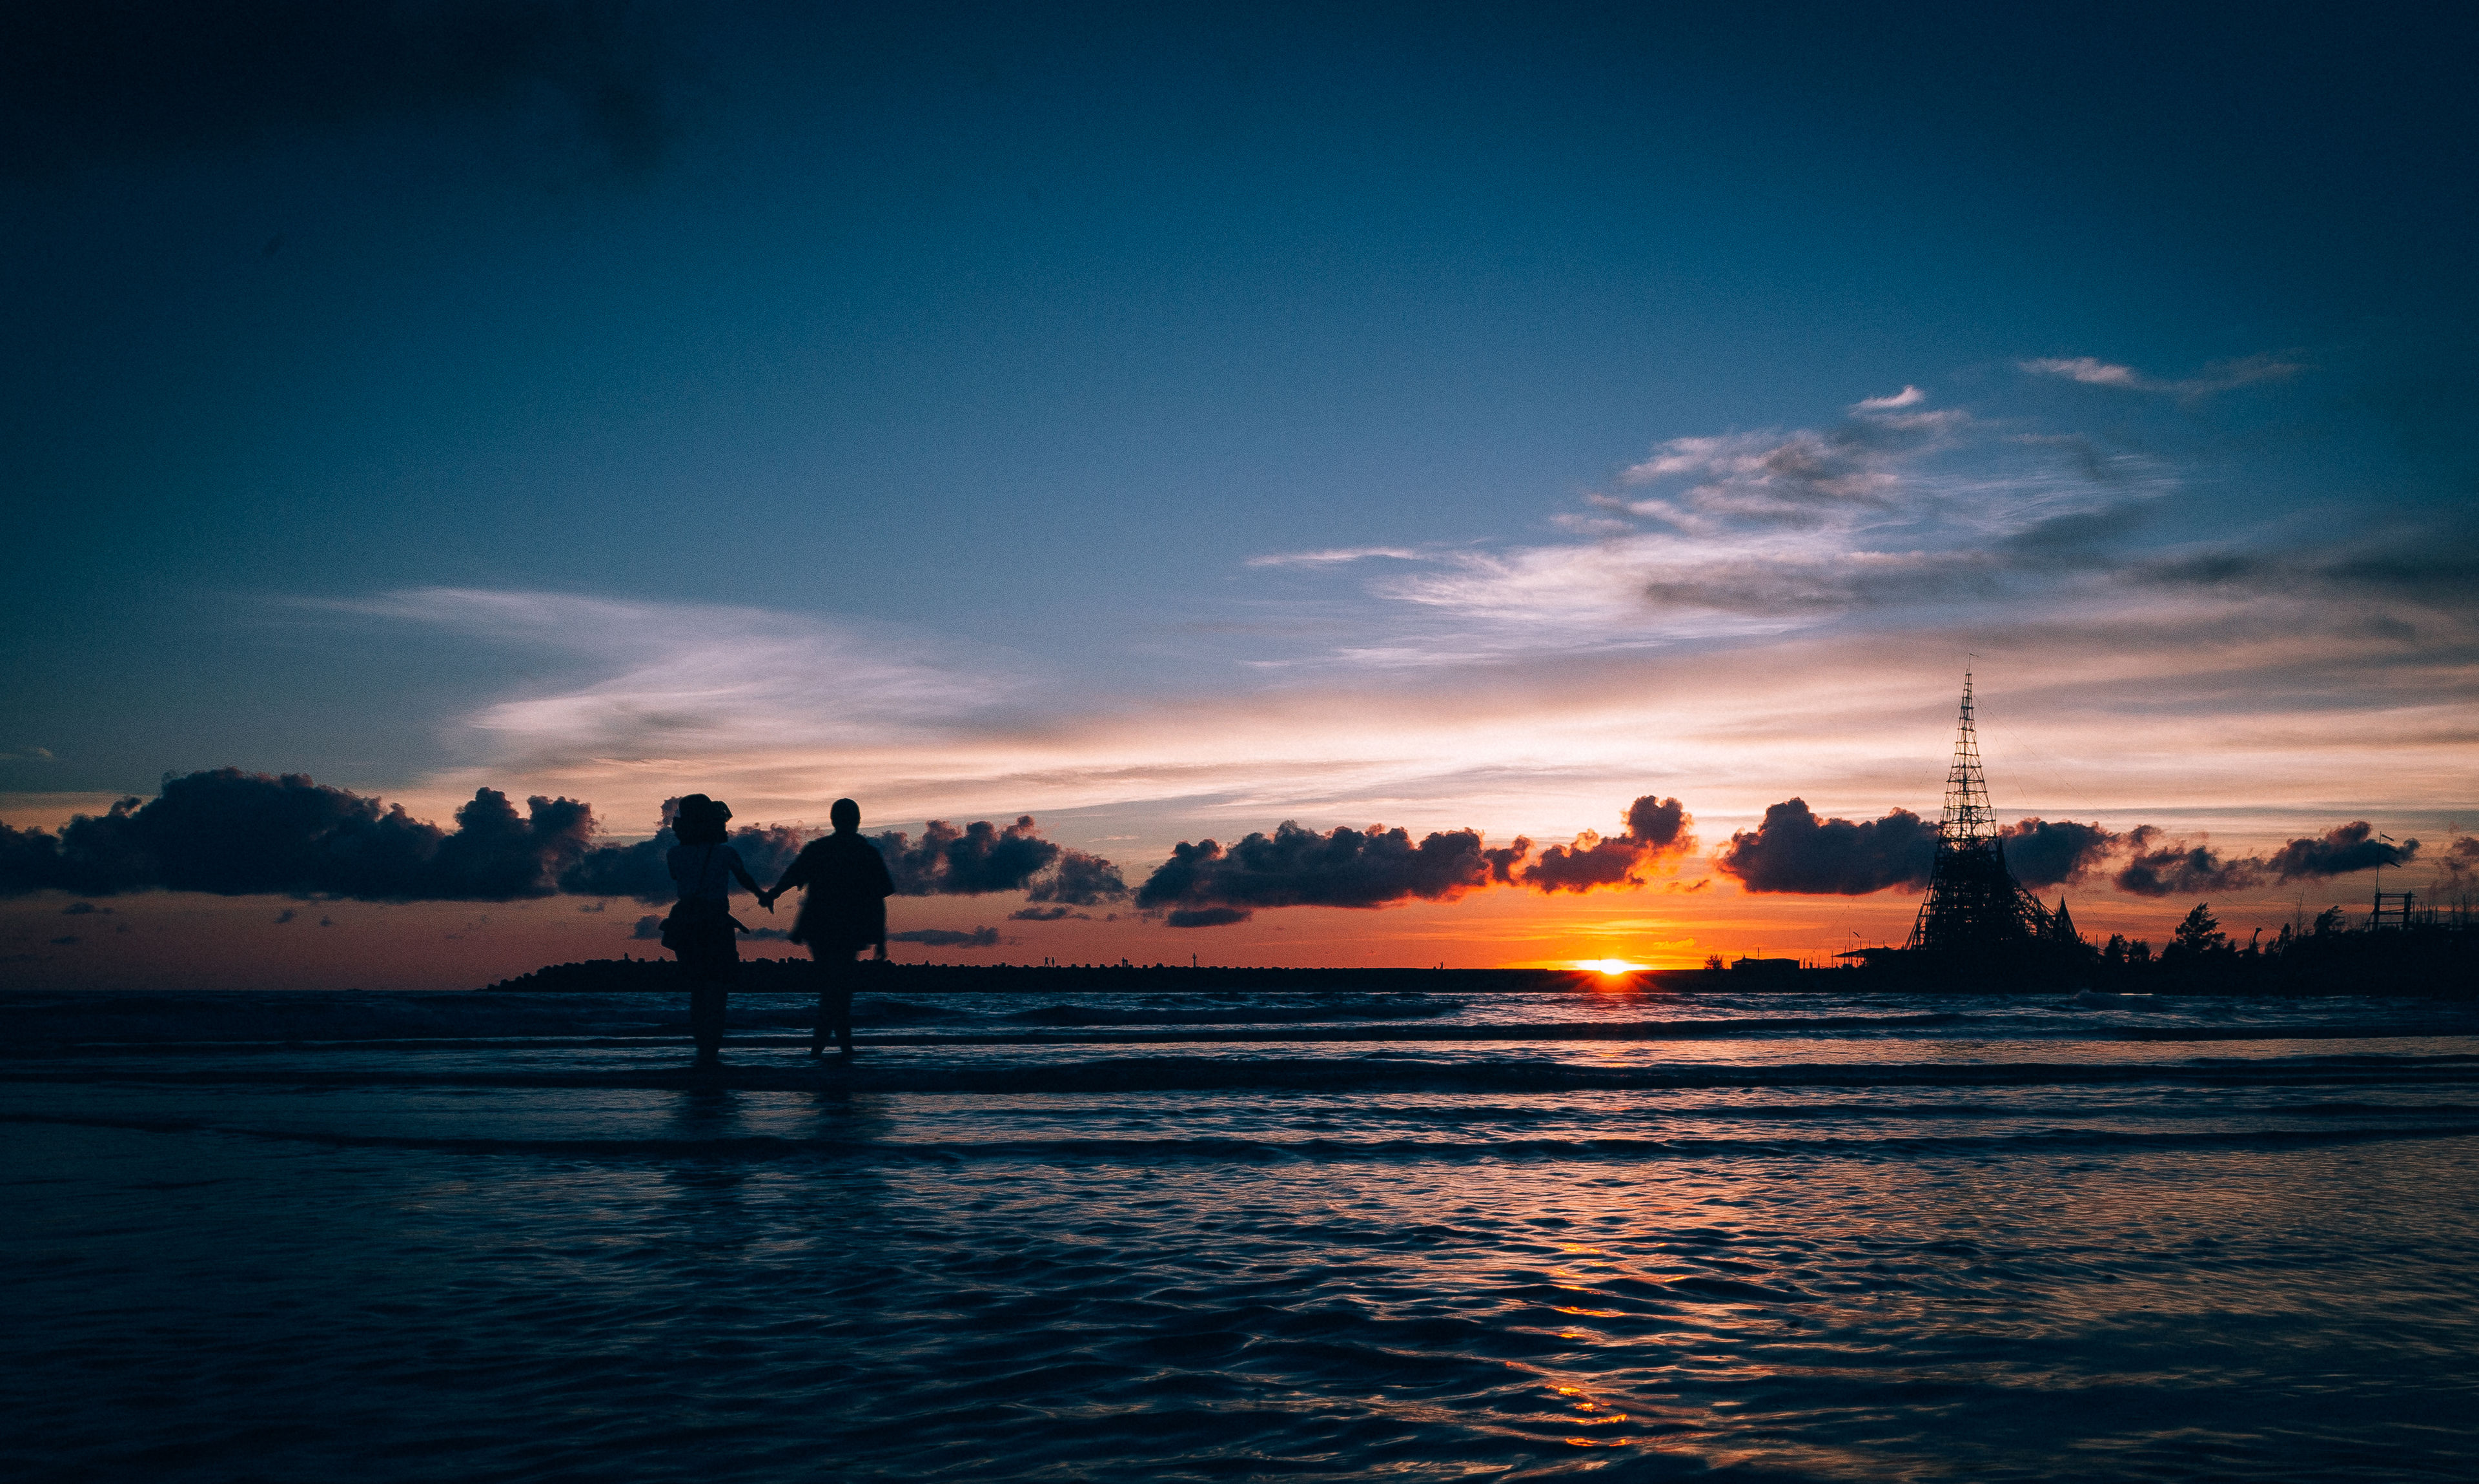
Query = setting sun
x=1612 y=966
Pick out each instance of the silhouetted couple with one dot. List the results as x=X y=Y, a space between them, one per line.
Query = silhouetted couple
x=843 y=911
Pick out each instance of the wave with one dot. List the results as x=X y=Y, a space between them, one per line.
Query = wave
x=760 y=1147
x=1233 y=1031
x=1371 y=1073
x=1230 y=1015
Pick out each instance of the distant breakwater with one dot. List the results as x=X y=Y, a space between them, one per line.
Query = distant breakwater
x=767 y=976
x=2422 y=966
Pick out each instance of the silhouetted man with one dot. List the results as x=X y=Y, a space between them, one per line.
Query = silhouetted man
x=843 y=912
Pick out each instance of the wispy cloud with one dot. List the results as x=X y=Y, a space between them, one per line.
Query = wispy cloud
x=1897 y=505
x=1337 y=556
x=2218 y=377
x=1800 y=477
x=646 y=680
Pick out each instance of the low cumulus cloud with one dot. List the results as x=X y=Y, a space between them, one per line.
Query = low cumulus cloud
x=2056 y=853
x=82 y=84
x=1207 y=916
x=642 y=869
x=2180 y=867
x=983 y=858
x=948 y=937
x=2185 y=868
x=237 y=834
x=240 y=833
x=1657 y=829
x=1793 y=851
x=1203 y=884
x=1080 y=879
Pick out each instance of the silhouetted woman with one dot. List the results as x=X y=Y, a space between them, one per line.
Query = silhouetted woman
x=844 y=913
x=702 y=930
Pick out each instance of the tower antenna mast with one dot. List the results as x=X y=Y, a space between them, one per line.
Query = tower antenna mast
x=1973 y=904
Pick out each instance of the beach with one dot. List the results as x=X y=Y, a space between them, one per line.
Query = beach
x=1242 y=1235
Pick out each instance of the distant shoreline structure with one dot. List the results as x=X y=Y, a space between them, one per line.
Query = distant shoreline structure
x=2441 y=963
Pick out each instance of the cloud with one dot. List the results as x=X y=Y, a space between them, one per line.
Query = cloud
x=2182 y=868
x=2338 y=852
x=948 y=937
x=82 y=84
x=1044 y=914
x=2218 y=377
x=2086 y=369
x=1793 y=851
x=666 y=680
x=1336 y=557
x=2430 y=562
x=1899 y=505
x=648 y=927
x=239 y=833
x=1296 y=867
x=1081 y=880
x=984 y=857
x=1794 y=478
x=642 y=869
x=977 y=859
x=286 y=916
x=1207 y=916
x=2052 y=852
x=1655 y=829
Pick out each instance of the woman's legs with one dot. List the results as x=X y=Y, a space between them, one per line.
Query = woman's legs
x=706 y=998
x=835 y=968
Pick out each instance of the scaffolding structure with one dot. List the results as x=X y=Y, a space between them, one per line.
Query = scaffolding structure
x=1974 y=903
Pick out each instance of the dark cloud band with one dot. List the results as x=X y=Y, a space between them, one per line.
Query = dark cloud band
x=1795 y=851
x=237 y=834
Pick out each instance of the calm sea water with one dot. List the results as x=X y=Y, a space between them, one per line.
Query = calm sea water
x=1216 y=1237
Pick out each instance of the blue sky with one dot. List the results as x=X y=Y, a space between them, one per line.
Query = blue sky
x=1454 y=416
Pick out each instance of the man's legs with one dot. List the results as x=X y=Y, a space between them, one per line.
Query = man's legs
x=835 y=975
x=706 y=1017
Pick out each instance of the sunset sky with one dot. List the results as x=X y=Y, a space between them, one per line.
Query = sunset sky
x=1169 y=425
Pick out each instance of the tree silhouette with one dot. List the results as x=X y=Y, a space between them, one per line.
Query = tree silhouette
x=2199 y=934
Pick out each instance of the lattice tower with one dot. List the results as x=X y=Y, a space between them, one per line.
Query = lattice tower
x=1968 y=820
x=1973 y=902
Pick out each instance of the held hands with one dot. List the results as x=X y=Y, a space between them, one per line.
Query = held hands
x=766 y=900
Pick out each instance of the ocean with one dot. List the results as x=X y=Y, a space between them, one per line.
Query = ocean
x=1243 y=1236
